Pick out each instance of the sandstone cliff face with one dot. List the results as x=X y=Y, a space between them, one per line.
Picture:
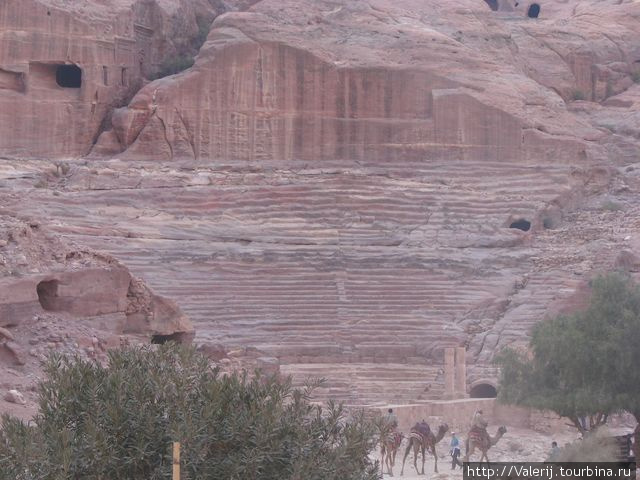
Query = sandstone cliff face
x=286 y=82
x=342 y=189
x=64 y=65
x=40 y=273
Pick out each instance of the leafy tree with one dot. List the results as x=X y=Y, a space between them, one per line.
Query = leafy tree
x=172 y=65
x=119 y=422
x=585 y=364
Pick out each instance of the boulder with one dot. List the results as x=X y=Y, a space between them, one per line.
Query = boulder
x=14 y=396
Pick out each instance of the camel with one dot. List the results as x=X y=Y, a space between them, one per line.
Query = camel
x=389 y=446
x=482 y=442
x=418 y=441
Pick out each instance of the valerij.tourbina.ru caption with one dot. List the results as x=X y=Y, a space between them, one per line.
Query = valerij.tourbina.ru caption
x=548 y=471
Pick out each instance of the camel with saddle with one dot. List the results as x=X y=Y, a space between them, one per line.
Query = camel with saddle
x=421 y=438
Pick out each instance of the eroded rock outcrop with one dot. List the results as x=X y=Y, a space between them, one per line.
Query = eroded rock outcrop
x=64 y=65
x=343 y=189
x=41 y=273
x=382 y=81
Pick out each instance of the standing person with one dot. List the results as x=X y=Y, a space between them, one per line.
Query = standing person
x=392 y=419
x=553 y=455
x=455 y=450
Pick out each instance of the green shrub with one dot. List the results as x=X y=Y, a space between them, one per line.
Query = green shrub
x=119 y=422
x=204 y=26
x=635 y=76
x=173 y=65
x=599 y=446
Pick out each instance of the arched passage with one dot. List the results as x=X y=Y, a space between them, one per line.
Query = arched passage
x=493 y=4
x=521 y=224
x=483 y=390
x=534 y=10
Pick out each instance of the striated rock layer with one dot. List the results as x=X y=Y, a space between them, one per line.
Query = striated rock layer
x=64 y=65
x=41 y=273
x=388 y=81
x=342 y=189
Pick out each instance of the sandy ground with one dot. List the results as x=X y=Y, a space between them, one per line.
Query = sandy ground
x=517 y=445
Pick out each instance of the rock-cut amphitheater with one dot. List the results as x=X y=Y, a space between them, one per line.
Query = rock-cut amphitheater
x=339 y=189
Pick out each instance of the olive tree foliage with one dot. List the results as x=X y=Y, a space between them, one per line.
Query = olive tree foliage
x=582 y=365
x=118 y=422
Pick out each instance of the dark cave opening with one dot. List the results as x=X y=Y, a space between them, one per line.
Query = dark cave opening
x=521 y=224
x=48 y=295
x=178 y=337
x=69 y=76
x=483 y=390
x=493 y=4
x=533 y=11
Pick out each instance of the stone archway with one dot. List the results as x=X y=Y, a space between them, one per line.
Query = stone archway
x=483 y=390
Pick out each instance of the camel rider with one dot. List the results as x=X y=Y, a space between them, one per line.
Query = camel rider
x=391 y=419
x=479 y=424
x=422 y=428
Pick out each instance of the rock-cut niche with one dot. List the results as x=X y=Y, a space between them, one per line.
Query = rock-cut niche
x=483 y=390
x=68 y=76
x=493 y=4
x=534 y=10
x=521 y=224
x=178 y=337
x=48 y=295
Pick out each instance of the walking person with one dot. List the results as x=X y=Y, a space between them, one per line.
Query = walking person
x=455 y=450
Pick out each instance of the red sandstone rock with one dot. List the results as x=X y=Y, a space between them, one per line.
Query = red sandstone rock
x=56 y=277
x=342 y=181
x=350 y=81
x=64 y=65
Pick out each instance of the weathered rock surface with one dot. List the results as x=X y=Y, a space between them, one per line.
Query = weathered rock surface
x=342 y=189
x=44 y=274
x=387 y=81
x=56 y=296
x=14 y=396
x=64 y=64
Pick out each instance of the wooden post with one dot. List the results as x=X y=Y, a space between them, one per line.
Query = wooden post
x=176 y=460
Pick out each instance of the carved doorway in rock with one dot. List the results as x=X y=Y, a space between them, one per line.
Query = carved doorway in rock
x=69 y=76
x=48 y=295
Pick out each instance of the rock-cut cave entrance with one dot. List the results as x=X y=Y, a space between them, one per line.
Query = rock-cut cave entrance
x=521 y=224
x=483 y=390
x=68 y=76
x=179 y=337
x=534 y=10
x=48 y=295
x=493 y=4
